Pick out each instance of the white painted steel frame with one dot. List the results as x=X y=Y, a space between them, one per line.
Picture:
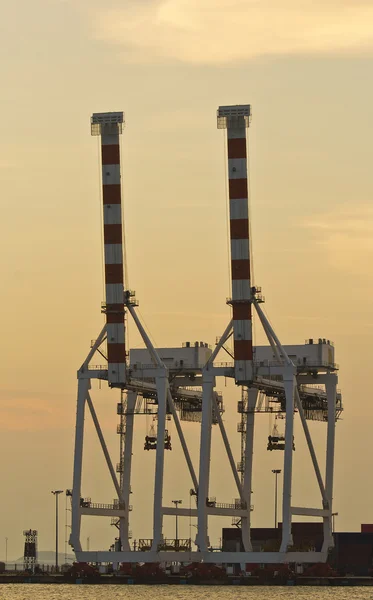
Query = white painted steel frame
x=292 y=392
x=201 y=485
x=202 y=539
x=206 y=556
x=248 y=467
x=164 y=397
x=127 y=466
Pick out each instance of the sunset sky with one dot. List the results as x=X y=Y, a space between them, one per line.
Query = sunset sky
x=305 y=67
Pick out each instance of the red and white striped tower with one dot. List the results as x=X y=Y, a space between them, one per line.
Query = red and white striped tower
x=236 y=120
x=109 y=127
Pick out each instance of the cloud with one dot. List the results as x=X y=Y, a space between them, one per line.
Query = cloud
x=29 y=411
x=6 y=165
x=346 y=236
x=229 y=31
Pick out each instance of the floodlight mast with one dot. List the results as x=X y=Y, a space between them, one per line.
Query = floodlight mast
x=109 y=127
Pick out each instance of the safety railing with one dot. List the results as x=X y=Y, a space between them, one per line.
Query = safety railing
x=172 y=366
x=103 y=506
x=236 y=506
x=179 y=545
x=299 y=363
x=144 y=544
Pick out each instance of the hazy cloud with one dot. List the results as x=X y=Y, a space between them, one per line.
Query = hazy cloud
x=6 y=164
x=225 y=31
x=347 y=236
x=29 y=411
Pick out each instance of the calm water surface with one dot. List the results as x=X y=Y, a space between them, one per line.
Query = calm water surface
x=138 y=592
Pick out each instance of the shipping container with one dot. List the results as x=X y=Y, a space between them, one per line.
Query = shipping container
x=367 y=528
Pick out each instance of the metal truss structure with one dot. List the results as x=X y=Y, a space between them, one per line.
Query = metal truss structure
x=290 y=380
x=30 y=550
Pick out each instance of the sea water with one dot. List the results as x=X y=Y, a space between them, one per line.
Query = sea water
x=167 y=592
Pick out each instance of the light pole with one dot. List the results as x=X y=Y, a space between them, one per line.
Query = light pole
x=56 y=493
x=6 y=550
x=68 y=494
x=276 y=473
x=335 y=514
x=176 y=502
